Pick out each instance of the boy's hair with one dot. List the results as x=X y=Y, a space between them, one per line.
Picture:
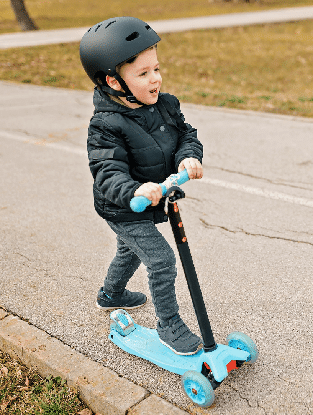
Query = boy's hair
x=101 y=77
x=132 y=59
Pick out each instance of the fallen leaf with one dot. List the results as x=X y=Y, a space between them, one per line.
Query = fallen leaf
x=5 y=370
x=85 y=411
x=12 y=398
x=4 y=405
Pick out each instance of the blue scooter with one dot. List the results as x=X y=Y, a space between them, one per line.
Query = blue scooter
x=204 y=371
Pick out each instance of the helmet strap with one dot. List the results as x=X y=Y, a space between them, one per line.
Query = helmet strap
x=128 y=94
x=111 y=91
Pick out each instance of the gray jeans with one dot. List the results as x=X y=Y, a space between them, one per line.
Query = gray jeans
x=142 y=242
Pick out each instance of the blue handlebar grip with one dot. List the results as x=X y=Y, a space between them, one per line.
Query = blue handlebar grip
x=139 y=203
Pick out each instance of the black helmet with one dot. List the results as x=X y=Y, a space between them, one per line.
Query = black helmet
x=111 y=42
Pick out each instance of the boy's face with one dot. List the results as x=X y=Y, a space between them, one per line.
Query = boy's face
x=143 y=77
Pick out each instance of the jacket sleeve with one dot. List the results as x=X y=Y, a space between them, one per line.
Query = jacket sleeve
x=188 y=143
x=109 y=164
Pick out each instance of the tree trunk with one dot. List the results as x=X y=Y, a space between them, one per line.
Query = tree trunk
x=22 y=15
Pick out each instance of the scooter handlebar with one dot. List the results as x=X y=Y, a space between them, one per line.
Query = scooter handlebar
x=139 y=203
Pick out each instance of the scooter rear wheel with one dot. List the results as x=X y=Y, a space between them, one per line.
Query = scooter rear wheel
x=198 y=388
x=241 y=341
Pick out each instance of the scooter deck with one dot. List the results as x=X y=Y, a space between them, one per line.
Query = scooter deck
x=145 y=343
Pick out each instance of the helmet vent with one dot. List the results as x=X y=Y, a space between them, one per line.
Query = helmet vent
x=99 y=25
x=148 y=27
x=132 y=36
x=113 y=21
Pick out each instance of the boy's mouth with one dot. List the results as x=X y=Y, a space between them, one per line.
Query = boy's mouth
x=153 y=91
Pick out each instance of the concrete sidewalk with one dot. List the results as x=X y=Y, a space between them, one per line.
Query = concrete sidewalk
x=45 y=37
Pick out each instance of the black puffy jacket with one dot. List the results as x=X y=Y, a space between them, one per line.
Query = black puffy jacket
x=128 y=147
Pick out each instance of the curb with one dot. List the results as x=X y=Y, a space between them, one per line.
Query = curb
x=100 y=388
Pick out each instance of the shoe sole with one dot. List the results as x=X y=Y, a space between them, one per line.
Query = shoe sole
x=117 y=307
x=180 y=353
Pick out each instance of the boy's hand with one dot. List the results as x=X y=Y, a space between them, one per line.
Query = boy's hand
x=193 y=166
x=151 y=191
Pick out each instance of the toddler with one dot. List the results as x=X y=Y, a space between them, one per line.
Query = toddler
x=137 y=137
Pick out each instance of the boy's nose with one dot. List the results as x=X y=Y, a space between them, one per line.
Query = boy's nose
x=155 y=77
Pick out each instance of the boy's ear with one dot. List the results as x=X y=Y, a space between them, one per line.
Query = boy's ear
x=113 y=83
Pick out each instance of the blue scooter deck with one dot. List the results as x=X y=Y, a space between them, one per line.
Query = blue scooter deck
x=145 y=343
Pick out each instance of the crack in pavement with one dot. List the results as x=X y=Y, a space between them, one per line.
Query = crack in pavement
x=258 y=405
x=208 y=225
x=247 y=399
x=46 y=271
x=287 y=230
x=279 y=183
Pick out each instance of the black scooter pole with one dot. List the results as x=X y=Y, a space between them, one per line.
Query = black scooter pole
x=191 y=277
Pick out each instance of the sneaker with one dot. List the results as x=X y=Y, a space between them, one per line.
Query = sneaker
x=177 y=337
x=126 y=300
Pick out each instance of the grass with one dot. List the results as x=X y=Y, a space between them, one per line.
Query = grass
x=265 y=68
x=24 y=392
x=52 y=14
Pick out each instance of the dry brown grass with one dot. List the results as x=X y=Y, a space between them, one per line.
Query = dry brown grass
x=23 y=391
x=266 y=67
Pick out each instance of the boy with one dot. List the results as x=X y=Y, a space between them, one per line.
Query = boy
x=136 y=139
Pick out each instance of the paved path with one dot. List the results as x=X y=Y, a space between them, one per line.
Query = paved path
x=249 y=223
x=44 y=37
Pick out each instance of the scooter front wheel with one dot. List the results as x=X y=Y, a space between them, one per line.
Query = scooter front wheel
x=198 y=388
x=241 y=341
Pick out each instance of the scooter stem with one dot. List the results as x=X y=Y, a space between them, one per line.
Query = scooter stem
x=191 y=277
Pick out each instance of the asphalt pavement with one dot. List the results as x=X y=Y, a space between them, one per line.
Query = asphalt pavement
x=249 y=224
x=44 y=37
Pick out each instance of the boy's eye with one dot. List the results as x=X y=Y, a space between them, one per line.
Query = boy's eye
x=146 y=72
